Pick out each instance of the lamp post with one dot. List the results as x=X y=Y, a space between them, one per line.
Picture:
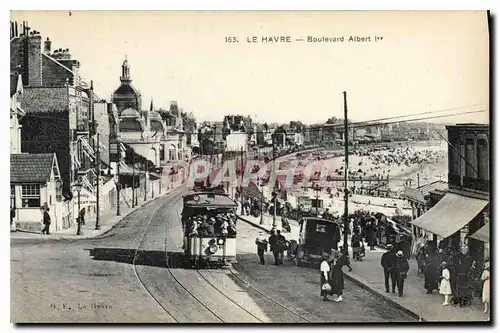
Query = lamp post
x=317 y=191
x=346 y=178
x=78 y=188
x=118 y=184
x=261 y=183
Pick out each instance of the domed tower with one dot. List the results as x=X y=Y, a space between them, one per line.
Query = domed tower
x=126 y=96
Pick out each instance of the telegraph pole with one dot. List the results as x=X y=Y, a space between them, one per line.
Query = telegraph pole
x=274 y=195
x=346 y=175
x=133 y=179
x=145 y=180
x=241 y=184
x=98 y=161
x=118 y=185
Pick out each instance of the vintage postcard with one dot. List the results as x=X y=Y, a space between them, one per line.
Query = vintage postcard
x=249 y=166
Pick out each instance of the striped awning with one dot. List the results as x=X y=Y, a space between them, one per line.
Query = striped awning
x=450 y=214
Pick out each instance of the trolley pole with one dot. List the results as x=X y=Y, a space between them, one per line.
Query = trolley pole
x=118 y=184
x=346 y=175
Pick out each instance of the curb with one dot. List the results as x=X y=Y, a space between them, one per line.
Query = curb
x=378 y=294
x=76 y=237
x=258 y=226
x=129 y=213
x=356 y=281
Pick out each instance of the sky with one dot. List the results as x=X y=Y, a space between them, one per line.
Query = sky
x=425 y=61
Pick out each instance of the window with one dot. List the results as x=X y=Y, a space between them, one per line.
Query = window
x=470 y=158
x=483 y=159
x=162 y=152
x=455 y=159
x=30 y=195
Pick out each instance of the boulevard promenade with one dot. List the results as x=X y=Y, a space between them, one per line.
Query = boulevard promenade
x=369 y=275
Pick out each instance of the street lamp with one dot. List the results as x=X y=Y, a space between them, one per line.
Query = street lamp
x=261 y=183
x=317 y=191
x=78 y=188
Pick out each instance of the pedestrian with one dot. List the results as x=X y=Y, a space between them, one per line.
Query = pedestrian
x=325 y=284
x=345 y=258
x=388 y=263
x=356 y=241
x=281 y=245
x=82 y=216
x=486 y=286
x=46 y=220
x=445 y=286
x=463 y=267
x=273 y=246
x=261 y=243
x=421 y=259
x=337 y=276
x=431 y=272
x=401 y=268
x=12 y=216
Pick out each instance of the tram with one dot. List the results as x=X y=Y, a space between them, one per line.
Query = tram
x=209 y=226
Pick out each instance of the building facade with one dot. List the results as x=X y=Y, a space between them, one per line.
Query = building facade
x=464 y=209
x=35 y=182
x=58 y=105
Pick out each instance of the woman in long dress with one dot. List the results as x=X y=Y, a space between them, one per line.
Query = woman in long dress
x=445 y=286
x=337 y=276
x=324 y=271
x=486 y=286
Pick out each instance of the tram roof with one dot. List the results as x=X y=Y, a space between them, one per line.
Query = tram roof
x=321 y=220
x=208 y=199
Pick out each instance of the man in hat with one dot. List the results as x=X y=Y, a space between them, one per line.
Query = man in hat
x=261 y=243
x=401 y=268
x=388 y=263
x=46 y=220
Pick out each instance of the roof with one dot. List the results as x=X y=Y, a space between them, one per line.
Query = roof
x=320 y=220
x=439 y=185
x=450 y=214
x=418 y=194
x=130 y=113
x=209 y=199
x=127 y=89
x=45 y=99
x=31 y=168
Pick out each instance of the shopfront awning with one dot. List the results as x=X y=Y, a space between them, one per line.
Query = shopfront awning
x=450 y=214
x=482 y=234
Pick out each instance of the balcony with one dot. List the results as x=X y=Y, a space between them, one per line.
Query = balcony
x=469 y=183
x=476 y=184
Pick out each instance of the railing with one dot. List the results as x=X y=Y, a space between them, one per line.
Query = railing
x=476 y=184
x=472 y=183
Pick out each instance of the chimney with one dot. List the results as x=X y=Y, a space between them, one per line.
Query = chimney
x=46 y=46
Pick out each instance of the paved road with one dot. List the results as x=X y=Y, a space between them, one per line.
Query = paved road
x=123 y=277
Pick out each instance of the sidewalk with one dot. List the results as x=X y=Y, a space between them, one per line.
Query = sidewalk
x=369 y=275
x=107 y=222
